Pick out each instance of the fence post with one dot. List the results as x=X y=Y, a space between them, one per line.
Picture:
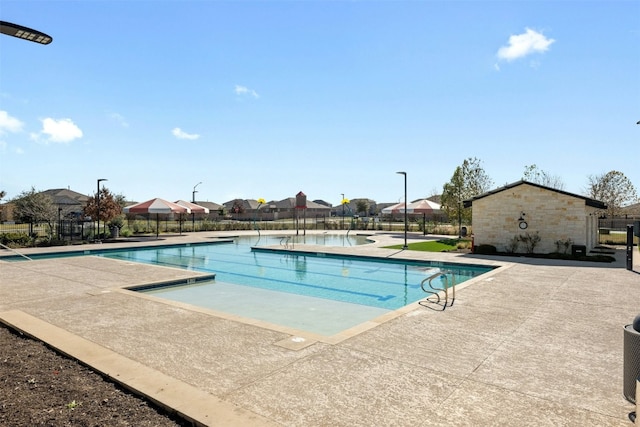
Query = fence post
x=629 y=247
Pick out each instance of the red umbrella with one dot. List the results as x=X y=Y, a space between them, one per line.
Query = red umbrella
x=157 y=206
x=394 y=209
x=195 y=209
x=423 y=206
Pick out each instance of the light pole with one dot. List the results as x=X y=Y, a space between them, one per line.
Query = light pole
x=193 y=195
x=342 y=203
x=59 y=225
x=193 y=200
x=24 y=33
x=405 y=208
x=98 y=207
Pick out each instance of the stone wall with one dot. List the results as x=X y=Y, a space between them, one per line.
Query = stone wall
x=555 y=216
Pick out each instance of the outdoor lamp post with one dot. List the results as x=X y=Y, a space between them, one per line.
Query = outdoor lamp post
x=59 y=225
x=405 y=208
x=342 y=202
x=193 y=200
x=193 y=195
x=24 y=33
x=98 y=207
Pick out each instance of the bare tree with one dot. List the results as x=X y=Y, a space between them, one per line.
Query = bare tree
x=613 y=188
x=534 y=174
x=35 y=207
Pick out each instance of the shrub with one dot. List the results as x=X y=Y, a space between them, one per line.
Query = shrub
x=512 y=246
x=15 y=240
x=530 y=241
x=564 y=245
x=485 y=249
x=464 y=244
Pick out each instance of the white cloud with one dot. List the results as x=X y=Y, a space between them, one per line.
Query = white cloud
x=62 y=130
x=9 y=124
x=521 y=45
x=120 y=119
x=242 y=90
x=180 y=134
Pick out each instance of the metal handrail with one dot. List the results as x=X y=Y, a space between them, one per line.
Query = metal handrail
x=436 y=291
x=286 y=241
x=14 y=251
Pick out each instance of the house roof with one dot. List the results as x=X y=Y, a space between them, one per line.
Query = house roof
x=633 y=209
x=247 y=204
x=64 y=196
x=290 y=203
x=322 y=202
x=209 y=205
x=588 y=202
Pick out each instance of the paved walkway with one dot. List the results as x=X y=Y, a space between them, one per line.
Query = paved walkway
x=534 y=343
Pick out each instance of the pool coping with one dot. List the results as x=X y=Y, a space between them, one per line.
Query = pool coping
x=490 y=390
x=299 y=339
x=201 y=408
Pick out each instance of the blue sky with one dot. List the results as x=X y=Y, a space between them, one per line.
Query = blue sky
x=263 y=99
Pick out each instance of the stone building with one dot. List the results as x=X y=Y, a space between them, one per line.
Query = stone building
x=526 y=209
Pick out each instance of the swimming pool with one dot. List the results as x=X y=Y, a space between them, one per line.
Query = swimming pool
x=314 y=292
x=309 y=291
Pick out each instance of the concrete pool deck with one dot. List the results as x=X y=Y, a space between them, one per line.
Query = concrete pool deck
x=535 y=342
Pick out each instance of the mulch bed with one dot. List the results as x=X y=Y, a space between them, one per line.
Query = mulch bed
x=39 y=387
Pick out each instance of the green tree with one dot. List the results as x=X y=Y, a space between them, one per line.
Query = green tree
x=468 y=180
x=35 y=207
x=534 y=174
x=613 y=188
x=2 y=195
x=362 y=207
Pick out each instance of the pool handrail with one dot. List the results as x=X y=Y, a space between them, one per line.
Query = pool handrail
x=436 y=291
x=14 y=251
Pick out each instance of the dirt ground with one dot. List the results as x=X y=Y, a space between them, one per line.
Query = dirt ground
x=39 y=387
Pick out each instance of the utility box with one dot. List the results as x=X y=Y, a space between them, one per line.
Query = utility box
x=578 y=250
x=636 y=228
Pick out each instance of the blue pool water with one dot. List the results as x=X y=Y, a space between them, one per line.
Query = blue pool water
x=319 y=293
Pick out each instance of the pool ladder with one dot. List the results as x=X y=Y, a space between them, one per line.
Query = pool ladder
x=286 y=242
x=435 y=298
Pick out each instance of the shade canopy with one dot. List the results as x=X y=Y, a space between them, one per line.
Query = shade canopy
x=394 y=209
x=423 y=206
x=195 y=208
x=156 y=206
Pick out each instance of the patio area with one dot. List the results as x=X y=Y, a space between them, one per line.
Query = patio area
x=535 y=342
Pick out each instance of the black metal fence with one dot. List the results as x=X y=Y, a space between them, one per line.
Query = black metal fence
x=617 y=224
x=79 y=230
x=610 y=229
x=64 y=230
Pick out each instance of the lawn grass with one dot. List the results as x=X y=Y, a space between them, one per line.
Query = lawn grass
x=442 y=245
